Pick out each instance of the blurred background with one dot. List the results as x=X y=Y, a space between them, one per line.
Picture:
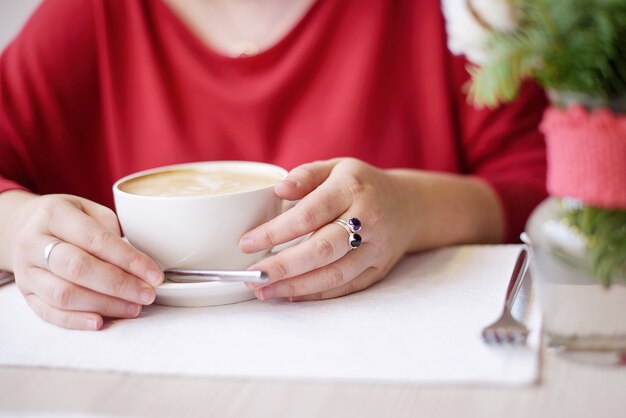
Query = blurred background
x=13 y=14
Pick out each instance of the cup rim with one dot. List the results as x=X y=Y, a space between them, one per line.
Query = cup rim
x=118 y=191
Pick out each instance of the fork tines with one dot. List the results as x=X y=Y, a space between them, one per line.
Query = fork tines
x=504 y=336
x=506 y=330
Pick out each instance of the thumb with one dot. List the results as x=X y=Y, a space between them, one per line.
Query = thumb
x=303 y=179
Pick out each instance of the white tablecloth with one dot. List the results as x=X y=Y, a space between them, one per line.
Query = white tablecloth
x=420 y=324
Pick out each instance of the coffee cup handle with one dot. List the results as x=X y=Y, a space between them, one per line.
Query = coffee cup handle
x=288 y=204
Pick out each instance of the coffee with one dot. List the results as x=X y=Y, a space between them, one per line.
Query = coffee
x=192 y=182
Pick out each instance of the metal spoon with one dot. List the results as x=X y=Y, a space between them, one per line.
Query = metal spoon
x=201 y=276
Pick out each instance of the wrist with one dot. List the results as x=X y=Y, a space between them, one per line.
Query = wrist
x=413 y=208
x=448 y=209
x=12 y=203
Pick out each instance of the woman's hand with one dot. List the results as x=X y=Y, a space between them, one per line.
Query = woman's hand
x=324 y=266
x=91 y=274
x=400 y=210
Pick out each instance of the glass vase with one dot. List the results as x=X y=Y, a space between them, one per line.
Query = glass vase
x=579 y=313
x=582 y=309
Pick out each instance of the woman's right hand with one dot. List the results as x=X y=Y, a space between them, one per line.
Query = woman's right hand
x=93 y=273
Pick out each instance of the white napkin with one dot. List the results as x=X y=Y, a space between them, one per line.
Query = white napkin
x=420 y=324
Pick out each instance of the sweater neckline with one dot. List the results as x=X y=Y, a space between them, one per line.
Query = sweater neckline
x=207 y=50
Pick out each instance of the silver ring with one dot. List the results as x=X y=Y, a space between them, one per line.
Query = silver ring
x=352 y=225
x=47 y=251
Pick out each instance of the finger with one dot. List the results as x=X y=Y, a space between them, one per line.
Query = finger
x=315 y=210
x=79 y=267
x=303 y=179
x=328 y=277
x=74 y=226
x=363 y=281
x=61 y=294
x=325 y=246
x=65 y=319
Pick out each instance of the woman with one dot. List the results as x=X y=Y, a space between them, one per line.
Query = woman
x=96 y=89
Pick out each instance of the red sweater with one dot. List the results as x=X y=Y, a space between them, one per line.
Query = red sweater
x=92 y=90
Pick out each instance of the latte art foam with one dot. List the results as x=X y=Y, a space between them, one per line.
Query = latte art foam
x=196 y=183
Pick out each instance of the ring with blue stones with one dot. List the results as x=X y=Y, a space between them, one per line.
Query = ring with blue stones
x=352 y=225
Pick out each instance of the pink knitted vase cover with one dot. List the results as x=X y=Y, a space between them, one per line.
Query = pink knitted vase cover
x=586 y=155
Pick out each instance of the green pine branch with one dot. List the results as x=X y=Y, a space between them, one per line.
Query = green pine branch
x=605 y=235
x=499 y=80
x=568 y=45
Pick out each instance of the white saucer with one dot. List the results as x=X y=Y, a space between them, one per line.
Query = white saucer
x=202 y=294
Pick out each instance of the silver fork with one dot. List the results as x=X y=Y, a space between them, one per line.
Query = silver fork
x=507 y=329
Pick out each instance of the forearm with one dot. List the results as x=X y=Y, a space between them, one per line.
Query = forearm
x=446 y=209
x=10 y=203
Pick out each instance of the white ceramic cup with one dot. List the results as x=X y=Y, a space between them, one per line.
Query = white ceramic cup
x=198 y=232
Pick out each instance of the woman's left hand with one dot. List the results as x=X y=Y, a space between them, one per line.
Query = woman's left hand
x=324 y=266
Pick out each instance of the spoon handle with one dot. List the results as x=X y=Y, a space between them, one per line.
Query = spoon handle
x=194 y=276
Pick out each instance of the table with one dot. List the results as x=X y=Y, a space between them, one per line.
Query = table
x=568 y=389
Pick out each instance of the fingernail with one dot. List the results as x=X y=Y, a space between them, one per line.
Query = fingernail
x=246 y=244
x=267 y=293
x=155 y=277
x=92 y=323
x=290 y=181
x=133 y=310
x=146 y=296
